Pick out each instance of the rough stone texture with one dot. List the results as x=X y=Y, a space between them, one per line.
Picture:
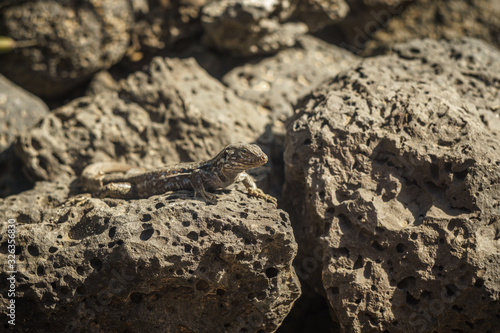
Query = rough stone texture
x=393 y=171
x=74 y=40
x=101 y=82
x=159 y=24
x=252 y=27
x=318 y=14
x=12 y=179
x=278 y=82
x=249 y=27
x=19 y=110
x=437 y=20
x=174 y=111
x=363 y=4
x=169 y=263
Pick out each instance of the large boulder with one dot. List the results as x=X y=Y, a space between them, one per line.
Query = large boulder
x=278 y=82
x=174 y=111
x=19 y=110
x=256 y=27
x=168 y=263
x=380 y=28
x=393 y=181
x=72 y=40
x=249 y=27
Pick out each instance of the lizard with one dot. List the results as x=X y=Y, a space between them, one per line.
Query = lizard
x=119 y=180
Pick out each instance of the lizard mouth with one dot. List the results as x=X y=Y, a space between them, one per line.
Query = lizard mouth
x=250 y=164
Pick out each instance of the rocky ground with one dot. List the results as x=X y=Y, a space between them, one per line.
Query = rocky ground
x=381 y=122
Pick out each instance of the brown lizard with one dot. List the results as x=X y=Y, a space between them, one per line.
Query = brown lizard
x=118 y=180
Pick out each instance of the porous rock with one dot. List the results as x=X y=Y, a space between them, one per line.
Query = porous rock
x=169 y=263
x=73 y=40
x=439 y=19
x=19 y=110
x=159 y=24
x=174 y=111
x=249 y=27
x=278 y=82
x=393 y=176
x=318 y=14
x=260 y=27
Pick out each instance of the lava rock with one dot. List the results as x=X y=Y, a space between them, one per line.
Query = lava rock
x=278 y=82
x=74 y=39
x=159 y=24
x=19 y=110
x=174 y=111
x=318 y=14
x=429 y=19
x=393 y=181
x=168 y=263
x=249 y=27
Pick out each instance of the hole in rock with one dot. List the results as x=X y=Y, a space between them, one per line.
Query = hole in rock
x=271 y=272
x=410 y=300
x=401 y=248
x=33 y=250
x=146 y=234
x=96 y=264
x=359 y=263
x=112 y=232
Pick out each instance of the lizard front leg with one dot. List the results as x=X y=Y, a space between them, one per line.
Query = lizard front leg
x=252 y=188
x=199 y=187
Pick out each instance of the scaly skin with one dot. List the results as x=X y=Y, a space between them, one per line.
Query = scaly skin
x=118 y=180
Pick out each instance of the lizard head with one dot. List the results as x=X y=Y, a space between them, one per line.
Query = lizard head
x=241 y=157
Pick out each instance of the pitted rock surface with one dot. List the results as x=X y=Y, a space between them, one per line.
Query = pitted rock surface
x=250 y=27
x=278 y=82
x=159 y=24
x=74 y=39
x=174 y=111
x=19 y=110
x=440 y=19
x=393 y=171
x=318 y=14
x=261 y=27
x=168 y=263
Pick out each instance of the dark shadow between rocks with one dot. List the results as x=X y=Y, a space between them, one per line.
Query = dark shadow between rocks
x=12 y=179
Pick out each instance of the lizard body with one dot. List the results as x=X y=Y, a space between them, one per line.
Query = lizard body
x=118 y=180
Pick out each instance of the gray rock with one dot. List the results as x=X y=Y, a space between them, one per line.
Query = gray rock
x=279 y=81
x=74 y=40
x=262 y=27
x=101 y=82
x=393 y=176
x=439 y=19
x=172 y=112
x=159 y=24
x=19 y=110
x=168 y=263
x=318 y=14
x=249 y=27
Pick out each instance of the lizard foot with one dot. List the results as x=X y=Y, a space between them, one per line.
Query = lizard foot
x=257 y=192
